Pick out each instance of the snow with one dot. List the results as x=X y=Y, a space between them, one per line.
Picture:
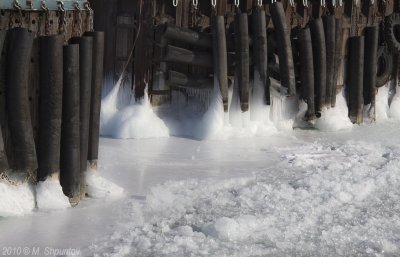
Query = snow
x=99 y=187
x=394 y=111
x=16 y=200
x=319 y=198
x=134 y=121
x=49 y=196
x=334 y=119
x=382 y=104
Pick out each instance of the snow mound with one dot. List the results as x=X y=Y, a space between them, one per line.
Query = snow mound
x=334 y=119
x=134 y=121
x=395 y=108
x=138 y=121
x=320 y=200
x=16 y=200
x=382 y=104
x=99 y=187
x=49 y=196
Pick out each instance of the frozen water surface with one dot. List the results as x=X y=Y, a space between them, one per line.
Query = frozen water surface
x=251 y=188
x=300 y=193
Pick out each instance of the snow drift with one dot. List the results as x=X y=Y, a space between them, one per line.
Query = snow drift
x=135 y=121
x=49 y=196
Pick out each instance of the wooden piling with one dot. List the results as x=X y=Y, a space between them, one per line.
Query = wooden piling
x=243 y=59
x=220 y=57
x=70 y=170
x=50 y=105
x=185 y=35
x=183 y=80
x=339 y=56
x=260 y=50
x=286 y=65
x=97 y=82
x=85 y=72
x=370 y=64
x=355 y=81
x=319 y=57
x=307 y=72
x=330 y=40
x=17 y=101
x=176 y=54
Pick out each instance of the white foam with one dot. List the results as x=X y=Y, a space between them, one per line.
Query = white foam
x=16 y=200
x=49 y=196
x=334 y=119
x=99 y=187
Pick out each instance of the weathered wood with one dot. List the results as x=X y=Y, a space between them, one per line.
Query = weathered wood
x=260 y=51
x=95 y=104
x=50 y=110
x=330 y=40
x=370 y=64
x=179 y=79
x=356 y=76
x=220 y=57
x=187 y=36
x=17 y=100
x=243 y=59
x=319 y=55
x=307 y=72
x=286 y=65
x=339 y=56
x=85 y=66
x=70 y=175
x=181 y=55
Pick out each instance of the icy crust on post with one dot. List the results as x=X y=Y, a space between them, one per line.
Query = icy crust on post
x=16 y=200
x=133 y=121
x=323 y=200
x=49 y=196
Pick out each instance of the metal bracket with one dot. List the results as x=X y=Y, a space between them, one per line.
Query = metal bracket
x=36 y=5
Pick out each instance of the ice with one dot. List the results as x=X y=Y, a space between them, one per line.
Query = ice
x=134 y=121
x=212 y=123
x=334 y=119
x=16 y=200
x=320 y=199
x=99 y=187
x=49 y=196
x=109 y=109
x=382 y=104
x=394 y=111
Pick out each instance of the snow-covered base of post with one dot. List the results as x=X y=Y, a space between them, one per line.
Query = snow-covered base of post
x=99 y=187
x=17 y=197
x=49 y=194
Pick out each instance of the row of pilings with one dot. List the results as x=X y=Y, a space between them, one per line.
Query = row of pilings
x=314 y=60
x=50 y=107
